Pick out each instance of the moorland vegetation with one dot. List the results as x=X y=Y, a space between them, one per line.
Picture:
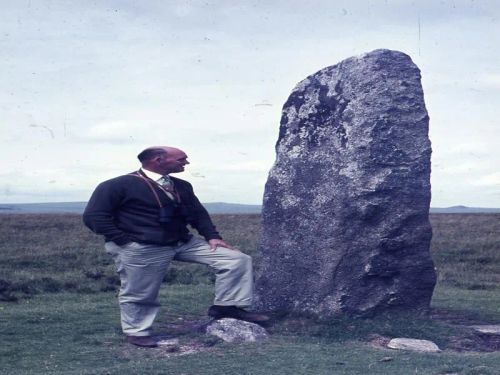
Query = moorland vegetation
x=58 y=312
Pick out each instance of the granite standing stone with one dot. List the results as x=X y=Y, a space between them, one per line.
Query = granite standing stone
x=346 y=204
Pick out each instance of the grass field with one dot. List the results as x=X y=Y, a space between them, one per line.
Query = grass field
x=59 y=315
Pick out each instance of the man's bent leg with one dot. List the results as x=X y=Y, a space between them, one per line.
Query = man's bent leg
x=233 y=271
x=141 y=269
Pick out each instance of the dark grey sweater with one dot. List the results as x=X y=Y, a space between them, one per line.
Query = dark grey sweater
x=124 y=209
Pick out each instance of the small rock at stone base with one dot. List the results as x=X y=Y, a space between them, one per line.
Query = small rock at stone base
x=413 y=344
x=236 y=331
x=171 y=345
x=490 y=329
x=385 y=359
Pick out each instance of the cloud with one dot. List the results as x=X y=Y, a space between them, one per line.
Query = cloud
x=115 y=132
x=246 y=166
x=492 y=179
x=110 y=78
x=491 y=81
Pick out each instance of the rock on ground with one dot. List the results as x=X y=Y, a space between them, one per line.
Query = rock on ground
x=413 y=344
x=489 y=329
x=171 y=345
x=345 y=213
x=237 y=331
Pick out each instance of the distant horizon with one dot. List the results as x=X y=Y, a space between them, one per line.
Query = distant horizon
x=235 y=203
x=56 y=202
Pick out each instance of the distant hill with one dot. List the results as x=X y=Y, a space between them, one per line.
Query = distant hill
x=232 y=208
x=213 y=208
x=39 y=208
x=78 y=207
x=464 y=210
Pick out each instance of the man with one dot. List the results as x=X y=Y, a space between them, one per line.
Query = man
x=143 y=217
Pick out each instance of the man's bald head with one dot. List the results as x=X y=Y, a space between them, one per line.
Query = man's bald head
x=150 y=153
x=163 y=159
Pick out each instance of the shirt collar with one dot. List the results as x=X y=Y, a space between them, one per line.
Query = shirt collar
x=152 y=175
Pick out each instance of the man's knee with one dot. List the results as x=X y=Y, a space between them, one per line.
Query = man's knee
x=244 y=261
x=139 y=298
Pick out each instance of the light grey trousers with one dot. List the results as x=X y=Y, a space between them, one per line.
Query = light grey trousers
x=142 y=268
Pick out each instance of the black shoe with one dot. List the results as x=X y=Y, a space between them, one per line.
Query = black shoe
x=144 y=341
x=219 y=312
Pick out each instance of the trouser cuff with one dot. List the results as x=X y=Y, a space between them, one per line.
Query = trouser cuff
x=233 y=303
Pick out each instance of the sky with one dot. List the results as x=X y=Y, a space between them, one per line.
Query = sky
x=86 y=85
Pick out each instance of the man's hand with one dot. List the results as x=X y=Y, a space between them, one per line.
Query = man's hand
x=215 y=243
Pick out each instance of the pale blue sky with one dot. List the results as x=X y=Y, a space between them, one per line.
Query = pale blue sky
x=87 y=85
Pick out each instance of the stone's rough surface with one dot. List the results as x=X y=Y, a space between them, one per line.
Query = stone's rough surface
x=234 y=330
x=345 y=214
x=489 y=329
x=413 y=344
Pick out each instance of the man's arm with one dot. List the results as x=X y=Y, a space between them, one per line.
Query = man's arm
x=98 y=215
x=199 y=217
x=206 y=228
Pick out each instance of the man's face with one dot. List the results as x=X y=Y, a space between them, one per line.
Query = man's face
x=173 y=161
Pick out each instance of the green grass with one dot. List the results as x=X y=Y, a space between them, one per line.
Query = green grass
x=466 y=250
x=55 y=253
x=70 y=333
x=59 y=312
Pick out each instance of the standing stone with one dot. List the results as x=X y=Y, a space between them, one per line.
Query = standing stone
x=346 y=204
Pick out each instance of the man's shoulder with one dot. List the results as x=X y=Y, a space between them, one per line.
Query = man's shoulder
x=179 y=181
x=123 y=179
x=182 y=184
